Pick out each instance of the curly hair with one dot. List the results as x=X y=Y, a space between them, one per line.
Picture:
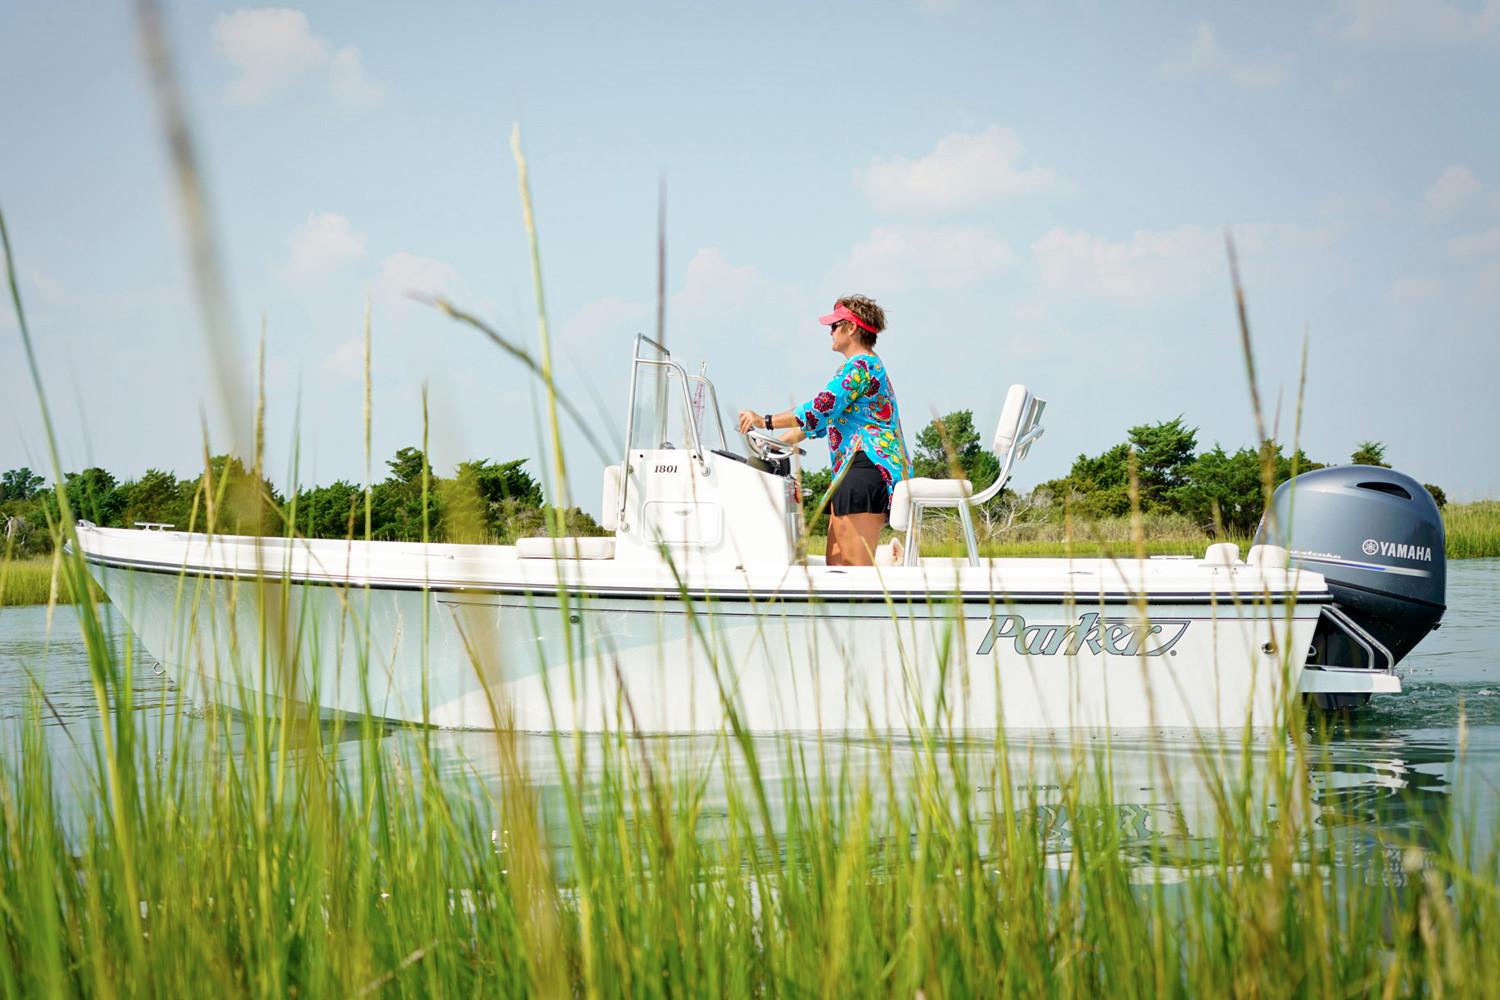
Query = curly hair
x=865 y=308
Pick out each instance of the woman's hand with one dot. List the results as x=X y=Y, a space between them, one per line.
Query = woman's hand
x=749 y=421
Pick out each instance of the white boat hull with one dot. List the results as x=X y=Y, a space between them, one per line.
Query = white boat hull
x=580 y=658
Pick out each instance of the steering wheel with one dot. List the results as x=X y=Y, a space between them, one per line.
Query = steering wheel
x=770 y=447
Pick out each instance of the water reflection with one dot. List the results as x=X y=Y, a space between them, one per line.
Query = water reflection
x=1377 y=796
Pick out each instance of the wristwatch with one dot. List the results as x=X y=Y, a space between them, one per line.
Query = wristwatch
x=768 y=421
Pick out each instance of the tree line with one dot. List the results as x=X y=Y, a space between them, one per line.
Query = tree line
x=1218 y=490
x=498 y=502
x=482 y=501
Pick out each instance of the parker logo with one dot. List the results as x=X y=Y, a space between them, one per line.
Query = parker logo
x=1397 y=550
x=1155 y=637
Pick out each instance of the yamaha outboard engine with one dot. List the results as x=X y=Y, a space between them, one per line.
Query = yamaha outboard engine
x=1377 y=537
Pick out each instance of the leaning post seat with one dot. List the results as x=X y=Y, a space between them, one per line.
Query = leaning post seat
x=1020 y=425
x=609 y=508
x=912 y=493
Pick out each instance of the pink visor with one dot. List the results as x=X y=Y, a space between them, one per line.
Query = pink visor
x=841 y=313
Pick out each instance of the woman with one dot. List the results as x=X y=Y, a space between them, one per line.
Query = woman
x=857 y=413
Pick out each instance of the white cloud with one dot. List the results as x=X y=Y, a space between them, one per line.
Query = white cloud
x=1453 y=187
x=1352 y=207
x=603 y=318
x=346 y=363
x=1457 y=189
x=1204 y=55
x=1477 y=246
x=1471 y=277
x=1489 y=282
x=407 y=274
x=273 y=50
x=1078 y=263
x=715 y=295
x=350 y=83
x=964 y=171
x=1409 y=288
x=46 y=287
x=716 y=287
x=323 y=244
x=49 y=301
x=1153 y=265
x=1414 y=22
x=944 y=257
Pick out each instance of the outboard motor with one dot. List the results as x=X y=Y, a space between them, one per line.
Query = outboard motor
x=1377 y=537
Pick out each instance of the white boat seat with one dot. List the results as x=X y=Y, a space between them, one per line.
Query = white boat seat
x=595 y=547
x=609 y=510
x=937 y=489
x=1222 y=554
x=1019 y=427
x=1267 y=557
x=908 y=490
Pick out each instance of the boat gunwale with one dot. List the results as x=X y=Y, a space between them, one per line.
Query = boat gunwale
x=763 y=595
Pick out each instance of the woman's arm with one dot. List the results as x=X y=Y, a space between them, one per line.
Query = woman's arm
x=816 y=416
x=813 y=417
x=750 y=420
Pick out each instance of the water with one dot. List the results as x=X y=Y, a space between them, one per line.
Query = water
x=1405 y=771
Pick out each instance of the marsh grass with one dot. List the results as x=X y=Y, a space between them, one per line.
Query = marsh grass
x=26 y=581
x=1473 y=529
x=1472 y=532
x=37 y=581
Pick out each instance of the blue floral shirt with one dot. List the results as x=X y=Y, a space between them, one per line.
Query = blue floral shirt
x=857 y=411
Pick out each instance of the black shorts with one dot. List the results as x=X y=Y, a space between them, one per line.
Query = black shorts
x=862 y=489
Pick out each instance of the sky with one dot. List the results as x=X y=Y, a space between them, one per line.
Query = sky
x=1035 y=192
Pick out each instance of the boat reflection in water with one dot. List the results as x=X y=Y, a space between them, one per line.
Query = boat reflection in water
x=1377 y=797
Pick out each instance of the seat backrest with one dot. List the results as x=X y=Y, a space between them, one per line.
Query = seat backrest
x=1031 y=427
x=1020 y=425
x=1011 y=415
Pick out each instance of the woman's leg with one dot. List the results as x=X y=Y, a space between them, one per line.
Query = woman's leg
x=833 y=555
x=855 y=536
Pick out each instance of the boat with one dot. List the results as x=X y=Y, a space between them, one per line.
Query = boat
x=702 y=609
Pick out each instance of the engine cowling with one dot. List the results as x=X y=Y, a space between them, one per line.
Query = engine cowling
x=1377 y=536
